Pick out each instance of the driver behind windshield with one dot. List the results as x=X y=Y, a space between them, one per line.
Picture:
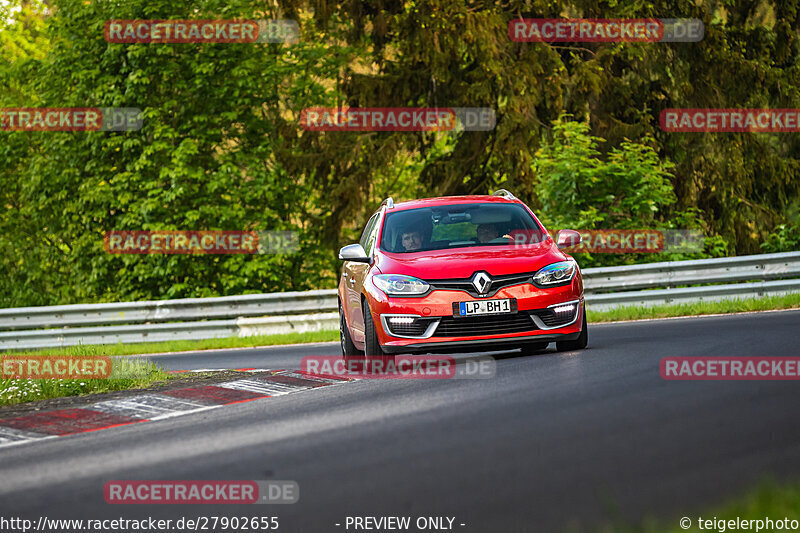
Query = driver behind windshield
x=411 y=240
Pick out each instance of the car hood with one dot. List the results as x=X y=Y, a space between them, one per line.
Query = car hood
x=461 y=263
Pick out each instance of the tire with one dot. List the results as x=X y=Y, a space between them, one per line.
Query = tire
x=345 y=341
x=579 y=343
x=371 y=344
x=533 y=347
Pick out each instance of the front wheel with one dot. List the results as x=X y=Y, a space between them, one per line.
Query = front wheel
x=371 y=344
x=348 y=348
x=579 y=343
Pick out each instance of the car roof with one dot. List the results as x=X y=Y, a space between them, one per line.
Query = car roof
x=452 y=200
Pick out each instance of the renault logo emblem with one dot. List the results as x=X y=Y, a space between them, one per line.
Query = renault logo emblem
x=481 y=281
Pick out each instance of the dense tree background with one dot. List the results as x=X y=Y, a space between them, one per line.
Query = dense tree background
x=577 y=134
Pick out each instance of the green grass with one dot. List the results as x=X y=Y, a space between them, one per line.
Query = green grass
x=185 y=346
x=125 y=374
x=130 y=373
x=633 y=312
x=767 y=500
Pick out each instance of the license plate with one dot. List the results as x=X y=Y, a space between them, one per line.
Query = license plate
x=485 y=307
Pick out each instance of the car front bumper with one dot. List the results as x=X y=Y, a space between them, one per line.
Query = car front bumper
x=438 y=304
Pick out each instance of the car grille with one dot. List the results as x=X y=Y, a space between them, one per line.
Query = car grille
x=484 y=325
x=498 y=282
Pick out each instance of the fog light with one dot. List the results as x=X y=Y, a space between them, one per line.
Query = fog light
x=402 y=320
x=564 y=308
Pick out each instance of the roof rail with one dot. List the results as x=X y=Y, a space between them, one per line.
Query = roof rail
x=504 y=193
x=389 y=203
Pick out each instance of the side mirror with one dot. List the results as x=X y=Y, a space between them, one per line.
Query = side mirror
x=354 y=252
x=568 y=238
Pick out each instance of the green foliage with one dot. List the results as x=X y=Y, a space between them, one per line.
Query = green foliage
x=212 y=155
x=578 y=188
x=785 y=238
x=628 y=187
x=221 y=147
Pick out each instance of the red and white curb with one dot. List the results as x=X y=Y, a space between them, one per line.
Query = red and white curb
x=158 y=405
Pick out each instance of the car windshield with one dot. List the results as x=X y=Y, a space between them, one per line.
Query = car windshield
x=457 y=226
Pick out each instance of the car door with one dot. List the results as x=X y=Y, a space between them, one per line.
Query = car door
x=354 y=274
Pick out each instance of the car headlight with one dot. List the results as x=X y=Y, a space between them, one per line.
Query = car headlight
x=397 y=285
x=556 y=273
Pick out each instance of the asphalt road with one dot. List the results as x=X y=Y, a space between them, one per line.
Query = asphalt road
x=553 y=440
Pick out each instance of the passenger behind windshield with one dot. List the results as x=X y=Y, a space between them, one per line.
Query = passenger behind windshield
x=487 y=233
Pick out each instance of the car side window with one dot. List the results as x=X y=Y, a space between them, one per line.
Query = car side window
x=368 y=232
x=373 y=233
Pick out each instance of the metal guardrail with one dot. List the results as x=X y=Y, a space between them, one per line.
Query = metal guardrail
x=284 y=303
x=266 y=314
x=673 y=273
x=205 y=329
x=711 y=293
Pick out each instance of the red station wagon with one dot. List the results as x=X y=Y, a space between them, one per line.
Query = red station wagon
x=452 y=274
